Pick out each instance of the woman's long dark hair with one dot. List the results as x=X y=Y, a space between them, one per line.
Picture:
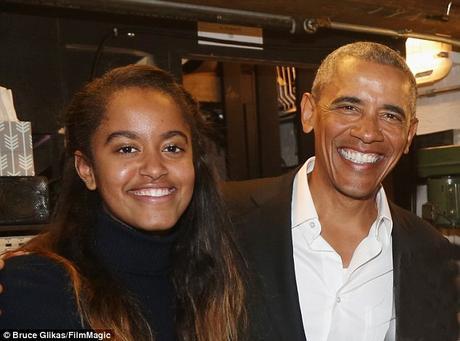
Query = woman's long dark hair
x=207 y=270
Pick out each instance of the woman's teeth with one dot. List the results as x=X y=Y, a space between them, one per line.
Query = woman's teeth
x=153 y=192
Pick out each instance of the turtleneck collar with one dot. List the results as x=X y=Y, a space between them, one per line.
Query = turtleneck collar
x=124 y=249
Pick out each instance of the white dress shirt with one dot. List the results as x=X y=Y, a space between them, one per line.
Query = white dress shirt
x=337 y=304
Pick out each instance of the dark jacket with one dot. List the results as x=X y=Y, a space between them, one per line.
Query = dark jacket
x=424 y=270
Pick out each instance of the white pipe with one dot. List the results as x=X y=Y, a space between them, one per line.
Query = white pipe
x=380 y=31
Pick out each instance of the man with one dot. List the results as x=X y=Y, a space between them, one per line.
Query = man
x=334 y=259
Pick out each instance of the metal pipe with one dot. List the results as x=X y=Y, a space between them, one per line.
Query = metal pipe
x=193 y=12
x=218 y=11
x=311 y=25
x=434 y=92
x=173 y=10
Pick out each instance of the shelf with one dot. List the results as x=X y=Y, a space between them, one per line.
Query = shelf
x=15 y=230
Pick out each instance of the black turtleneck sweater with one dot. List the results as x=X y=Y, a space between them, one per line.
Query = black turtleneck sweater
x=38 y=294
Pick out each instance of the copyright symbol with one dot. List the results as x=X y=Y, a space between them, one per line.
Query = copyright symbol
x=6 y=335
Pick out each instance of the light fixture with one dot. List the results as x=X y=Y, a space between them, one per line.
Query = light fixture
x=428 y=60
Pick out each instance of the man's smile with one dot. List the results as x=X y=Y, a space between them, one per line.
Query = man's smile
x=359 y=157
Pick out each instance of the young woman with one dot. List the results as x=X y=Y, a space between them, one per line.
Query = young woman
x=139 y=244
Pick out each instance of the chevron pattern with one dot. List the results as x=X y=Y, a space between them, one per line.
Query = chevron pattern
x=16 y=156
x=11 y=142
x=26 y=161
x=22 y=127
x=3 y=163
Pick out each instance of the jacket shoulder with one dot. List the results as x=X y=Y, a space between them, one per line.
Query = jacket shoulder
x=418 y=229
x=241 y=197
x=427 y=293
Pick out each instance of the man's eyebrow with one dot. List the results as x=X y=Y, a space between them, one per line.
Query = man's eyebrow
x=173 y=133
x=121 y=133
x=347 y=99
x=395 y=108
x=355 y=100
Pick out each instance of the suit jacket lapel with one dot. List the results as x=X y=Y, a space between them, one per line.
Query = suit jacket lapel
x=399 y=242
x=405 y=284
x=275 y=260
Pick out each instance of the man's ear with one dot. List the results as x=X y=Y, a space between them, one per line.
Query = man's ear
x=85 y=170
x=411 y=133
x=307 y=116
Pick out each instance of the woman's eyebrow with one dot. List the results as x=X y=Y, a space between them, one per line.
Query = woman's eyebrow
x=172 y=133
x=133 y=136
x=121 y=133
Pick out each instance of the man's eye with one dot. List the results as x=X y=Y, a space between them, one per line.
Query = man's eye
x=392 y=117
x=172 y=148
x=127 y=150
x=348 y=108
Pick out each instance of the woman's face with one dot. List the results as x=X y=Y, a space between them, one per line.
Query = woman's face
x=142 y=160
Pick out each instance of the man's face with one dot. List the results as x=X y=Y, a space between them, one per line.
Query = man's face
x=362 y=123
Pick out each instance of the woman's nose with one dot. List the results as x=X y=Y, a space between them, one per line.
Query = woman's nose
x=153 y=165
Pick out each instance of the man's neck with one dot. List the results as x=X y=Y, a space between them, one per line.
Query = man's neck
x=345 y=221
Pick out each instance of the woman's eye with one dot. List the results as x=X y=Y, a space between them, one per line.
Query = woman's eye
x=127 y=150
x=172 y=148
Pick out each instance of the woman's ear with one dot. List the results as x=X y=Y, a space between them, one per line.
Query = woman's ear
x=85 y=170
x=307 y=115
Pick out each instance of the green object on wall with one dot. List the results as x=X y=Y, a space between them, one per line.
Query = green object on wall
x=444 y=201
x=441 y=165
x=438 y=161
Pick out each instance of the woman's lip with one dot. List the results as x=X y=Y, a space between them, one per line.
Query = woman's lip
x=153 y=192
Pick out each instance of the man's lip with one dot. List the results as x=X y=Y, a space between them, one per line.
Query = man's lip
x=359 y=156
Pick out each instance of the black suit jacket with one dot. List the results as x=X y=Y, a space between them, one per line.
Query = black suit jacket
x=424 y=288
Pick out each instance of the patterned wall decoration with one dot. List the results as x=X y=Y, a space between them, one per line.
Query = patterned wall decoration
x=16 y=154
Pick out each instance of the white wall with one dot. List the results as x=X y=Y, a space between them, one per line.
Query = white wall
x=442 y=111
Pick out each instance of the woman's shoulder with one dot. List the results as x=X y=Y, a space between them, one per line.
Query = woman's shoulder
x=37 y=293
x=31 y=263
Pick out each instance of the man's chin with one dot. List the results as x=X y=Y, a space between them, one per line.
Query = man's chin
x=358 y=192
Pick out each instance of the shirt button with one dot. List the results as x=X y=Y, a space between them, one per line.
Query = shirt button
x=338 y=299
x=312 y=225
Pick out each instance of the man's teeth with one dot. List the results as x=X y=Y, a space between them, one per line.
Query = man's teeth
x=153 y=192
x=358 y=157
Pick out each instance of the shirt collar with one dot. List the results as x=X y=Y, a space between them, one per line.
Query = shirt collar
x=384 y=221
x=303 y=209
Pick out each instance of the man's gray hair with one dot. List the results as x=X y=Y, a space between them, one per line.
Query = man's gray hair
x=366 y=51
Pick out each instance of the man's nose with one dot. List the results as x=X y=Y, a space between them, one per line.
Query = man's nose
x=153 y=165
x=368 y=129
